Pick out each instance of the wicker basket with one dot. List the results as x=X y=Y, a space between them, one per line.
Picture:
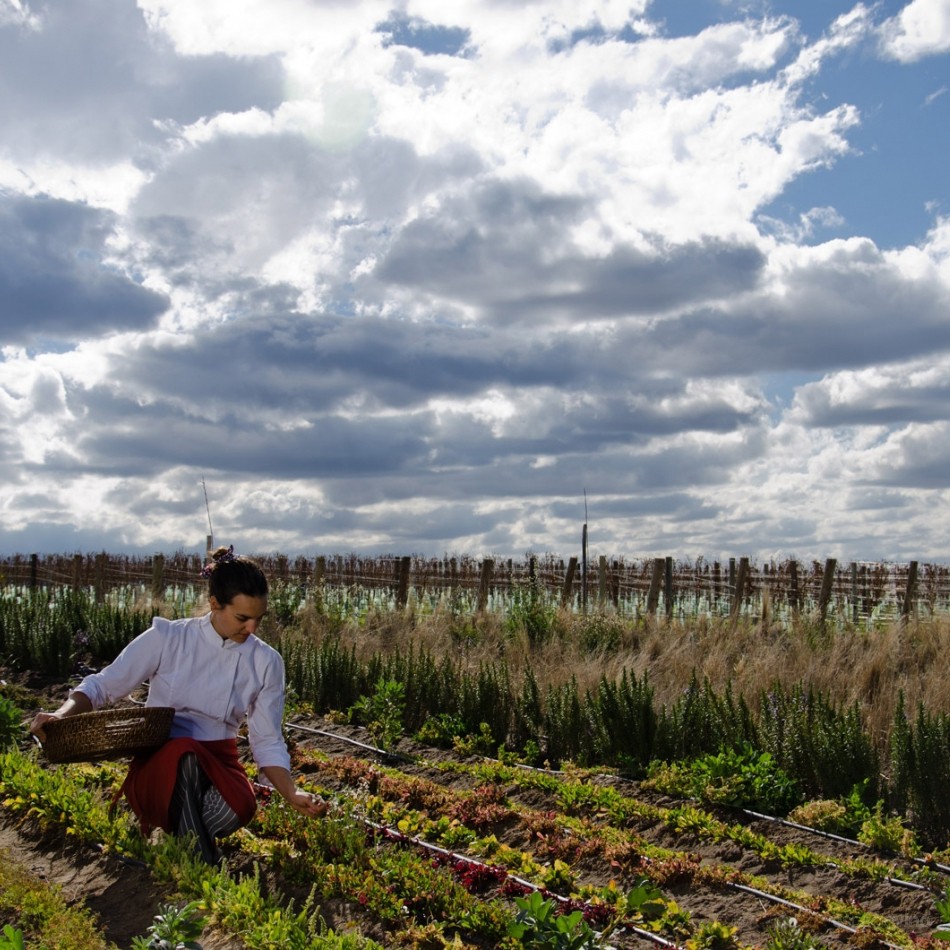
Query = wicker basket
x=107 y=734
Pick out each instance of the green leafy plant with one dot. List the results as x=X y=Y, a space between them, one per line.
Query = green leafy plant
x=645 y=901
x=943 y=906
x=11 y=938
x=11 y=723
x=538 y=924
x=480 y=743
x=839 y=816
x=174 y=928
x=382 y=712
x=441 y=730
x=742 y=777
x=713 y=935
x=786 y=934
x=888 y=833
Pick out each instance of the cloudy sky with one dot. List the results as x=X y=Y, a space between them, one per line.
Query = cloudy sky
x=447 y=278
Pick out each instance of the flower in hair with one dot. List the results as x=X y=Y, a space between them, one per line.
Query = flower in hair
x=222 y=558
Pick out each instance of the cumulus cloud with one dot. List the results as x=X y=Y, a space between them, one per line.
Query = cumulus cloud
x=922 y=28
x=90 y=80
x=417 y=278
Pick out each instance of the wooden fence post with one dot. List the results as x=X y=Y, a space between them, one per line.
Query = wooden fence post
x=402 y=590
x=100 y=582
x=158 y=577
x=668 y=586
x=911 y=591
x=34 y=570
x=793 y=594
x=484 y=583
x=77 y=571
x=653 y=596
x=602 y=581
x=827 y=586
x=568 y=585
x=584 y=569
x=738 y=584
x=854 y=593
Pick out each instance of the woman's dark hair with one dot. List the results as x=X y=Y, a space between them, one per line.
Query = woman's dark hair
x=231 y=574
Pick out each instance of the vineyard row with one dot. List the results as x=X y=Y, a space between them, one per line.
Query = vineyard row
x=852 y=591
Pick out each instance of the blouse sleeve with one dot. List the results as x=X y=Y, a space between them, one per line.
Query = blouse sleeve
x=132 y=667
x=265 y=717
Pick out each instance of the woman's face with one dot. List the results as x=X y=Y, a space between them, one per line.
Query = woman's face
x=239 y=619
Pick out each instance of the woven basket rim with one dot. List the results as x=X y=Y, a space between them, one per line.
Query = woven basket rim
x=107 y=733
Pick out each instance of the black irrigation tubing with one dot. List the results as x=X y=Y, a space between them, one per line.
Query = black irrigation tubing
x=400 y=837
x=738 y=887
x=933 y=865
x=361 y=745
x=753 y=814
x=418 y=842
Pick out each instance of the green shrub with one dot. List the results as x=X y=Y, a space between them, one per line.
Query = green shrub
x=739 y=777
x=701 y=723
x=920 y=772
x=11 y=723
x=825 y=748
x=382 y=713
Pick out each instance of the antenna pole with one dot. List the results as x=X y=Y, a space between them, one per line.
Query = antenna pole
x=204 y=488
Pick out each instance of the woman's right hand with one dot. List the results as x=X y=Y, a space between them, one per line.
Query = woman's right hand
x=38 y=725
x=75 y=704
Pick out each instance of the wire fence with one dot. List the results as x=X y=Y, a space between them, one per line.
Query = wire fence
x=855 y=592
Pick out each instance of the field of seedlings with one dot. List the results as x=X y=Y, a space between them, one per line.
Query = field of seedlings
x=515 y=773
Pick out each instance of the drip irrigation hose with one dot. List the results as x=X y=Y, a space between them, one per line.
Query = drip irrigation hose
x=523 y=882
x=763 y=895
x=745 y=811
x=933 y=865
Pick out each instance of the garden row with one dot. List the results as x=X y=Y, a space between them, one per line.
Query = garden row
x=820 y=750
x=425 y=848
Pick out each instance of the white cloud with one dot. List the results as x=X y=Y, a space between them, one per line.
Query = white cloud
x=415 y=278
x=921 y=29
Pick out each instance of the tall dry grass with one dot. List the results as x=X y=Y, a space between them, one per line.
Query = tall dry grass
x=847 y=665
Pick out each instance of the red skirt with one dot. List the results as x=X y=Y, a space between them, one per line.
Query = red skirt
x=151 y=780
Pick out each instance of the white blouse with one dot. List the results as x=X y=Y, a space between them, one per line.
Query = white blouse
x=213 y=684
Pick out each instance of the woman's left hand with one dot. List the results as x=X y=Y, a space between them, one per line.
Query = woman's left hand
x=313 y=806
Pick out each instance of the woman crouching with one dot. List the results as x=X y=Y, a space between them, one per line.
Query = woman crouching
x=215 y=672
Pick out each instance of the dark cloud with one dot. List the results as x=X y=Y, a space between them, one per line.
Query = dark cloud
x=834 y=315
x=868 y=403
x=130 y=437
x=54 y=281
x=497 y=248
x=92 y=82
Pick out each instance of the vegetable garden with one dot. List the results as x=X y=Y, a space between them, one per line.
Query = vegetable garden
x=524 y=776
